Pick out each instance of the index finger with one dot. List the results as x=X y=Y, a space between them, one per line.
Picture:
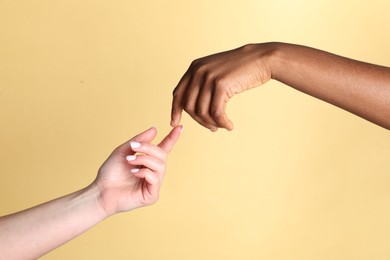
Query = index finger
x=169 y=141
x=177 y=106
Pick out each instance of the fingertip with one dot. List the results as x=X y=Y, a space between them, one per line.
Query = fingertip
x=180 y=128
x=175 y=119
x=227 y=124
x=135 y=170
x=213 y=129
x=153 y=128
x=224 y=122
x=174 y=122
x=230 y=126
x=176 y=128
x=169 y=141
x=176 y=132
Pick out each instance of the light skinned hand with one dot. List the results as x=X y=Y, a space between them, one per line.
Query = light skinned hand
x=131 y=176
x=211 y=81
x=128 y=179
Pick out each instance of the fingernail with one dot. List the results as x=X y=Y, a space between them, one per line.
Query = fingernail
x=182 y=129
x=131 y=157
x=135 y=170
x=135 y=144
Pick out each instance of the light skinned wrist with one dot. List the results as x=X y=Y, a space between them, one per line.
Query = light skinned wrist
x=90 y=197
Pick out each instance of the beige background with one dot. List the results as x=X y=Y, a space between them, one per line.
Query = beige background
x=296 y=179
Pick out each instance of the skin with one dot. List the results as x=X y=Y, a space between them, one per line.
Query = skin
x=121 y=185
x=358 y=87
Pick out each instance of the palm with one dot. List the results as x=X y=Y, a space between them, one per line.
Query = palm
x=122 y=190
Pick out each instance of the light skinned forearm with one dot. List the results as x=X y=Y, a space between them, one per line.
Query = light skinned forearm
x=358 y=87
x=31 y=233
x=121 y=185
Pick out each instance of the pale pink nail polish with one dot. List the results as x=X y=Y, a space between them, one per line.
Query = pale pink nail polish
x=131 y=157
x=135 y=144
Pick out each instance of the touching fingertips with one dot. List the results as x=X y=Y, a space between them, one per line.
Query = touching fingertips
x=174 y=121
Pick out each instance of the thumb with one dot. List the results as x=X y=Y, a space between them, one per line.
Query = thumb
x=169 y=141
x=146 y=136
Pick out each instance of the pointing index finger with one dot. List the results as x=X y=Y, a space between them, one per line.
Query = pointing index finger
x=177 y=102
x=169 y=141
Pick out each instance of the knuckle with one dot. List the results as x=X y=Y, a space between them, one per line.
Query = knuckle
x=195 y=63
x=217 y=114
x=209 y=76
x=225 y=87
x=162 y=166
x=150 y=199
x=174 y=92
x=154 y=199
x=247 y=47
x=188 y=108
x=200 y=112
x=116 y=150
x=220 y=82
x=202 y=69
x=198 y=67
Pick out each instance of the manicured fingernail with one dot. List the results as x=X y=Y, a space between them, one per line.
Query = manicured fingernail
x=135 y=170
x=135 y=144
x=131 y=157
